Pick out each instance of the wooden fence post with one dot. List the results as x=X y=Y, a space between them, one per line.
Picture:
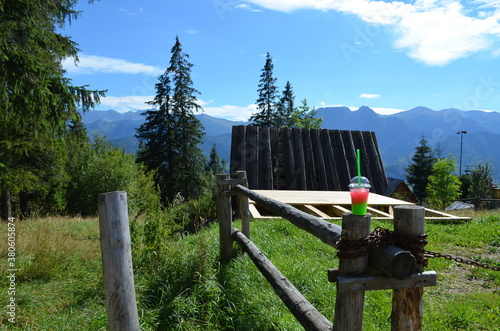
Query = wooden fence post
x=349 y=306
x=117 y=262
x=244 y=212
x=407 y=308
x=224 y=214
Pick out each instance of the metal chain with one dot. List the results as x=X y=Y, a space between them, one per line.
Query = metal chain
x=461 y=260
x=351 y=249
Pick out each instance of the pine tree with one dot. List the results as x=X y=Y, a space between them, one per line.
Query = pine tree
x=443 y=187
x=285 y=107
x=215 y=164
x=36 y=98
x=266 y=103
x=420 y=169
x=171 y=135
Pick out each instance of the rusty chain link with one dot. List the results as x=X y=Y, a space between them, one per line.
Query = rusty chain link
x=461 y=260
x=351 y=249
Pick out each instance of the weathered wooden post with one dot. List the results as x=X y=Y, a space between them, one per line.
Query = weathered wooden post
x=243 y=210
x=224 y=214
x=117 y=262
x=349 y=306
x=407 y=303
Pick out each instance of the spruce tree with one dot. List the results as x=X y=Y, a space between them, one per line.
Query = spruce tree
x=171 y=135
x=215 y=164
x=36 y=98
x=285 y=107
x=266 y=102
x=420 y=169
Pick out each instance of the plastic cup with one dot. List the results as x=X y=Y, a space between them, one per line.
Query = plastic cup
x=359 y=195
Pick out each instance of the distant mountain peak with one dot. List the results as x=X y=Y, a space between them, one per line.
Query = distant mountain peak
x=365 y=109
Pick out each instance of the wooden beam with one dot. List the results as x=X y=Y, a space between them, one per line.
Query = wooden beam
x=382 y=282
x=349 y=306
x=407 y=304
x=224 y=215
x=315 y=211
x=116 y=253
x=299 y=306
x=378 y=212
x=327 y=232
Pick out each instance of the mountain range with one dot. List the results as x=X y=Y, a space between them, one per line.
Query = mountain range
x=397 y=134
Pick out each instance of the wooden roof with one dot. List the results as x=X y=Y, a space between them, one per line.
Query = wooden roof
x=332 y=204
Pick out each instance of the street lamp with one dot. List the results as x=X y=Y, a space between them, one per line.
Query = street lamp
x=461 y=133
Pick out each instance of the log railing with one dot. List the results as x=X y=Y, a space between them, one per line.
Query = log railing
x=394 y=268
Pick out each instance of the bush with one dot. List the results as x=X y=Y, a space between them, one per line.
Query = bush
x=99 y=168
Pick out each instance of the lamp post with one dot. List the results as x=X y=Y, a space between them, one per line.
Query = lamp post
x=461 y=133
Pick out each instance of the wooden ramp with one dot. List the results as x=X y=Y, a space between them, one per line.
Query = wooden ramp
x=332 y=204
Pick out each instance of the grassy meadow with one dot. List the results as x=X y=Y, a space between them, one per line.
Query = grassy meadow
x=181 y=286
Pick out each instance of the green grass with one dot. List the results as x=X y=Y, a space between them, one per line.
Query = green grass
x=181 y=285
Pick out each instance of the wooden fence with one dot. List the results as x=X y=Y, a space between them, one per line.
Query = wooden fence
x=396 y=267
x=305 y=159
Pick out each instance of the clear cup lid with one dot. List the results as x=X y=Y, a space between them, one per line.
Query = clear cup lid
x=365 y=183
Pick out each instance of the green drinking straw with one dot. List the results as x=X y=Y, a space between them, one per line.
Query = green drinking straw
x=359 y=168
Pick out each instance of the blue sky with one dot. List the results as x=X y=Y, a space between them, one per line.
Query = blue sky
x=390 y=56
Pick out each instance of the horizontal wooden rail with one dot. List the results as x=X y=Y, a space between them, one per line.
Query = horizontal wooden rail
x=327 y=232
x=392 y=261
x=299 y=306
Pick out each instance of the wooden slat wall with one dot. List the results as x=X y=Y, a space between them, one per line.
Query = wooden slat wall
x=305 y=159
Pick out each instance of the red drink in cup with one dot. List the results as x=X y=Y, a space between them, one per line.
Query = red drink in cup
x=359 y=195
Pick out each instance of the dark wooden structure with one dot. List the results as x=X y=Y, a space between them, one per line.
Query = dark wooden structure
x=305 y=159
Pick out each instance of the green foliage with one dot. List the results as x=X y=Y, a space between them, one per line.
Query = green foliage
x=481 y=181
x=444 y=186
x=266 y=102
x=420 y=169
x=285 y=108
x=171 y=135
x=37 y=99
x=99 y=168
x=215 y=164
x=282 y=113
x=183 y=286
x=305 y=117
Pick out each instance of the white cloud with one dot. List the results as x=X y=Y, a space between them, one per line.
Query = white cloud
x=387 y=111
x=429 y=31
x=235 y=113
x=132 y=103
x=127 y=103
x=246 y=6
x=90 y=64
x=369 y=96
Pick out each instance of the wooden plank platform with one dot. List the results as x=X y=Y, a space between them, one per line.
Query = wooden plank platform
x=332 y=204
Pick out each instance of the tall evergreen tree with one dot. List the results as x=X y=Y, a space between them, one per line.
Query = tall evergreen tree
x=171 y=135
x=36 y=98
x=285 y=107
x=420 y=169
x=266 y=102
x=215 y=164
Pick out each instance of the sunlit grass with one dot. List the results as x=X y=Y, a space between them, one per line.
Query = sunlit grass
x=183 y=287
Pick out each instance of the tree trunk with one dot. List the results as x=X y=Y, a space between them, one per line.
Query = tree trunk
x=24 y=204
x=6 y=206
